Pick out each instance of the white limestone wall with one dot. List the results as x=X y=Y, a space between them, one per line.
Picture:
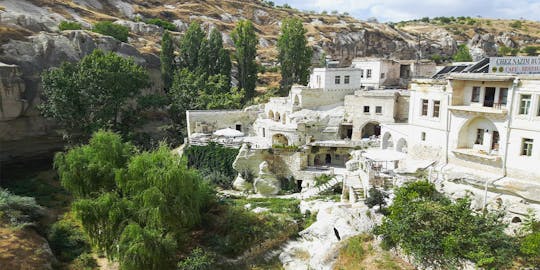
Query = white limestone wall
x=325 y=78
x=462 y=92
x=375 y=66
x=212 y=120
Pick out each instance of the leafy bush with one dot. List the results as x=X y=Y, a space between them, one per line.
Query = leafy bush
x=110 y=29
x=516 y=24
x=67 y=240
x=376 y=197
x=530 y=50
x=462 y=54
x=322 y=179
x=217 y=178
x=162 y=23
x=212 y=157
x=17 y=210
x=85 y=262
x=199 y=259
x=440 y=233
x=66 y=25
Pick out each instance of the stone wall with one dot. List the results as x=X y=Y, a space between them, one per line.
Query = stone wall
x=209 y=121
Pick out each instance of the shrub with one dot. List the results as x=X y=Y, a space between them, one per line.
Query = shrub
x=110 y=29
x=67 y=240
x=162 y=23
x=212 y=157
x=462 y=54
x=17 y=210
x=515 y=24
x=199 y=259
x=217 y=178
x=322 y=179
x=376 y=197
x=530 y=50
x=85 y=262
x=66 y=25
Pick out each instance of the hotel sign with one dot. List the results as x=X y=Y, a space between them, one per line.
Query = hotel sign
x=515 y=65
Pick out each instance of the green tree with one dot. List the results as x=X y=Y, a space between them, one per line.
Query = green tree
x=442 y=234
x=218 y=57
x=89 y=170
x=245 y=41
x=189 y=47
x=117 y=31
x=376 y=197
x=294 y=54
x=93 y=94
x=504 y=50
x=167 y=60
x=143 y=248
x=462 y=54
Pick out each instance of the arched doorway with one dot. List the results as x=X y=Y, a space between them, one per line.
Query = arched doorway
x=296 y=100
x=387 y=142
x=280 y=139
x=371 y=129
x=270 y=114
x=479 y=133
x=401 y=145
x=277 y=117
x=328 y=159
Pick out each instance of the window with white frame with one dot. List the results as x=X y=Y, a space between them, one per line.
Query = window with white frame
x=337 y=79
x=366 y=109
x=436 y=108
x=347 y=79
x=378 y=109
x=524 y=104
x=526 y=147
x=368 y=74
x=503 y=96
x=425 y=104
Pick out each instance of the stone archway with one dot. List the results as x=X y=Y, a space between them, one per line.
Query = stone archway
x=479 y=133
x=371 y=129
x=401 y=145
x=280 y=139
x=296 y=100
x=387 y=142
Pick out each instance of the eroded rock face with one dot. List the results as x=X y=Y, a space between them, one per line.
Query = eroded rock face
x=141 y=28
x=24 y=132
x=482 y=45
x=266 y=183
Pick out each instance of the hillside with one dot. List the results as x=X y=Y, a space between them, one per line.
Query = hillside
x=30 y=42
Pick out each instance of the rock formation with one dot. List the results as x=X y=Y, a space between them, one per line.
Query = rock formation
x=266 y=183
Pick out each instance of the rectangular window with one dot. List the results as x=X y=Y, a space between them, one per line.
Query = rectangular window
x=382 y=75
x=425 y=103
x=503 y=95
x=338 y=79
x=479 y=136
x=423 y=136
x=368 y=75
x=436 y=108
x=366 y=109
x=475 y=94
x=524 y=104
x=264 y=132
x=526 y=147
x=378 y=109
x=346 y=79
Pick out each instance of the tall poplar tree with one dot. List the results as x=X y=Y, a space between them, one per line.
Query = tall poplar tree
x=218 y=57
x=190 y=45
x=294 y=54
x=167 y=60
x=245 y=41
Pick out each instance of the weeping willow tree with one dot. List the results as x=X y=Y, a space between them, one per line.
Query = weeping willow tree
x=167 y=195
x=136 y=208
x=89 y=170
x=143 y=248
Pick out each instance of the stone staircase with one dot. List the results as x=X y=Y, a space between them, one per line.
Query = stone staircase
x=359 y=193
x=314 y=191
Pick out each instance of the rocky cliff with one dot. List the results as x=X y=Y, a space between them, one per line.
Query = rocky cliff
x=31 y=42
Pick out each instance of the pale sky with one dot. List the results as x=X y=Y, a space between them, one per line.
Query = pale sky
x=393 y=10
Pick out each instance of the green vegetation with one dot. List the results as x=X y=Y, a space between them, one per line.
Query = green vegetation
x=376 y=197
x=198 y=260
x=67 y=25
x=67 y=240
x=18 y=210
x=462 y=54
x=213 y=160
x=504 y=51
x=245 y=41
x=294 y=54
x=531 y=50
x=516 y=24
x=440 y=233
x=110 y=29
x=162 y=23
x=142 y=215
x=167 y=60
x=94 y=94
x=322 y=179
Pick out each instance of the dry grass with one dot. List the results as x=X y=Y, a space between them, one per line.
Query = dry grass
x=360 y=252
x=22 y=249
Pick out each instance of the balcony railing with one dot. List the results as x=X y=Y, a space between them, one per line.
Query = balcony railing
x=494 y=105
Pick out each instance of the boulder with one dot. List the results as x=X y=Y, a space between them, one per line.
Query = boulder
x=141 y=28
x=241 y=184
x=266 y=183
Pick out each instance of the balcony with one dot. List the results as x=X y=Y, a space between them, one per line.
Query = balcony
x=478 y=156
x=495 y=110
